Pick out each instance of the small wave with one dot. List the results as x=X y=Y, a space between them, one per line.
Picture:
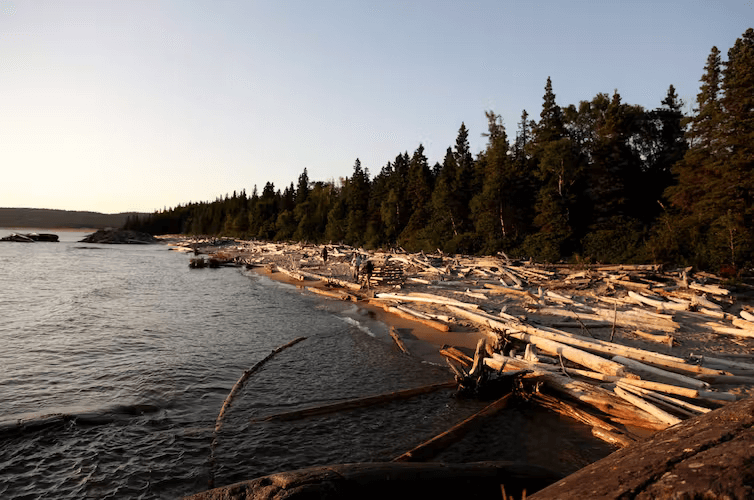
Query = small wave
x=358 y=325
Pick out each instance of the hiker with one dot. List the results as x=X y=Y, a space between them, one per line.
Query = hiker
x=324 y=254
x=355 y=265
x=368 y=269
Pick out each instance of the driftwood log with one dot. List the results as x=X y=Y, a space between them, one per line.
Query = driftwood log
x=393 y=480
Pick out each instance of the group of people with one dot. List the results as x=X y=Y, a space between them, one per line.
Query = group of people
x=356 y=267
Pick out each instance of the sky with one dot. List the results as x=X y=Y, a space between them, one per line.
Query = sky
x=115 y=106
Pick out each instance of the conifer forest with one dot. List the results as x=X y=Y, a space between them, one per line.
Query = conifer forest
x=599 y=181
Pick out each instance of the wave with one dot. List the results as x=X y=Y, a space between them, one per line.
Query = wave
x=358 y=325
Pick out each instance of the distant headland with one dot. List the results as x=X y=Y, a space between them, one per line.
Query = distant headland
x=47 y=218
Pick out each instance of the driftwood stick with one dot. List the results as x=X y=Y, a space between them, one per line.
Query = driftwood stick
x=664 y=416
x=357 y=403
x=229 y=400
x=558 y=406
x=429 y=448
x=674 y=401
x=398 y=340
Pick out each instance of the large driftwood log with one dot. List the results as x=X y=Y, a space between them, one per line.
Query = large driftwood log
x=647 y=406
x=430 y=448
x=671 y=363
x=578 y=356
x=392 y=480
x=358 y=403
x=605 y=401
x=612 y=434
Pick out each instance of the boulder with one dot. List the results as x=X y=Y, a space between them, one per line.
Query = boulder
x=710 y=456
x=120 y=236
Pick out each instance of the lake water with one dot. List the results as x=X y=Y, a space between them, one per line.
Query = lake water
x=115 y=361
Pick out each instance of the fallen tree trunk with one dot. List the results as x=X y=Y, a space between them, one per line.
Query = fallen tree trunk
x=647 y=406
x=669 y=362
x=613 y=435
x=357 y=403
x=430 y=448
x=391 y=480
x=578 y=356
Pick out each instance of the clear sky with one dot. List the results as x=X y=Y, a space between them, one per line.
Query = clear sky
x=112 y=106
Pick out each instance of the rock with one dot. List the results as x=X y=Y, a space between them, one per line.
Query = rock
x=31 y=237
x=710 y=456
x=391 y=480
x=120 y=236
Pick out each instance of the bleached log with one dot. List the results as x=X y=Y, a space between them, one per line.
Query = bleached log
x=334 y=294
x=412 y=315
x=727 y=330
x=504 y=290
x=479 y=355
x=292 y=274
x=588 y=394
x=457 y=355
x=583 y=358
x=746 y=315
x=645 y=384
x=663 y=374
x=662 y=339
x=427 y=298
x=642 y=299
x=653 y=398
x=647 y=407
x=743 y=324
x=669 y=362
x=714 y=290
x=342 y=283
x=677 y=402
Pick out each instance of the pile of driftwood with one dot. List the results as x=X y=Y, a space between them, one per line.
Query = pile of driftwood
x=617 y=347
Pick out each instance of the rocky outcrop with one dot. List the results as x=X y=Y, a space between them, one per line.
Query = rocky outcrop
x=30 y=237
x=710 y=456
x=120 y=236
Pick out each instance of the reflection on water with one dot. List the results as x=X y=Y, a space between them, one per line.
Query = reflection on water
x=116 y=361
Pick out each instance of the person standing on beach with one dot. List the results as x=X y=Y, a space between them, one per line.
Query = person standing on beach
x=355 y=265
x=324 y=254
x=368 y=269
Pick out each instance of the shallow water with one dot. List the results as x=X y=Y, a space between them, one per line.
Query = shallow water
x=117 y=359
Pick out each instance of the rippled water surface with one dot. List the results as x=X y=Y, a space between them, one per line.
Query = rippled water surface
x=115 y=362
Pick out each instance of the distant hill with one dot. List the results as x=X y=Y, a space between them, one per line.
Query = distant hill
x=45 y=218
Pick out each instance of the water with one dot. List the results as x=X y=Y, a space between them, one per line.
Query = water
x=115 y=362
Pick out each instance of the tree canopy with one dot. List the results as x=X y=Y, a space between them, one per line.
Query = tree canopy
x=598 y=181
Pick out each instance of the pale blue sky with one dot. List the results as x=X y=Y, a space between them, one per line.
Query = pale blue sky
x=134 y=105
